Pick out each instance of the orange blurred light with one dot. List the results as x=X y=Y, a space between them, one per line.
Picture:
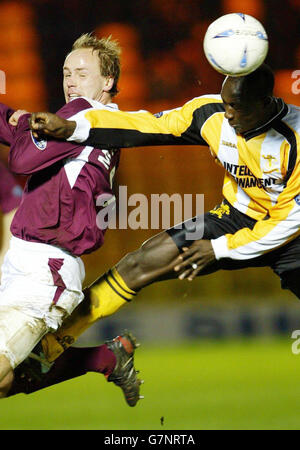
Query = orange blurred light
x=16 y=13
x=125 y=34
x=19 y=57
x=254 y=8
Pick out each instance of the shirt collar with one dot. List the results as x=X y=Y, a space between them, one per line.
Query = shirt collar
x=282 y=110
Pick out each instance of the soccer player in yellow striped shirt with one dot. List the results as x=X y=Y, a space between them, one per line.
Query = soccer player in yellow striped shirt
x=255 y=136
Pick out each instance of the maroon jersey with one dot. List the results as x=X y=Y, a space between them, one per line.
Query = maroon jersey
x=58 y=206
x=10 y=190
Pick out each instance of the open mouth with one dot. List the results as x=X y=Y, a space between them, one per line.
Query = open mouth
x=71 y=96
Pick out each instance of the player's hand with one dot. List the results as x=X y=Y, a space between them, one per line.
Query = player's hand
x=194 y=259
x=14 y=118
x=48 y=124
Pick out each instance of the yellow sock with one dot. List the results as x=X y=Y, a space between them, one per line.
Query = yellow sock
x=103 y=298
x=109 y=294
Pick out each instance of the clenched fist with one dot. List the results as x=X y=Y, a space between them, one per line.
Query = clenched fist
x=48 y=124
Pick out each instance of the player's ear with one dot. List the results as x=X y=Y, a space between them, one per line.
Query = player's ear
x=109 y=82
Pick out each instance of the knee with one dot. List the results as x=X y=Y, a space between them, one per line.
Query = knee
x=145 y=265
x=134 y=261
x=135 y=266
x=143 y=258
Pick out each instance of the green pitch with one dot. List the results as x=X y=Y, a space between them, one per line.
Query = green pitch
x=235 y=384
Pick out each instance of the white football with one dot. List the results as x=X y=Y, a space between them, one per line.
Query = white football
x=236 y=44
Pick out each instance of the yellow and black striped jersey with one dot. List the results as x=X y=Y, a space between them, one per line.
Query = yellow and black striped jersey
x=262 y=170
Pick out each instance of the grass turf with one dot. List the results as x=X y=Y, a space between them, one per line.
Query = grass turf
x=207 y=385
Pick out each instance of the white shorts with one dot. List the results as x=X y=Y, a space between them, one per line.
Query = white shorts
x=41 y=285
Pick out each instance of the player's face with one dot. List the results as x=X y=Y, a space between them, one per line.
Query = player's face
x=242 y=114
x=82 y=77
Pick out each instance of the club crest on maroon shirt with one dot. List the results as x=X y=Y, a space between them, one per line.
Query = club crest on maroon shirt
x=41 y=144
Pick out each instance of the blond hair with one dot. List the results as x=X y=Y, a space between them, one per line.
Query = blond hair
x=109 y=53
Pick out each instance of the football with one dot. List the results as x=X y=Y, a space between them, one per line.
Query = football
x=236 y=44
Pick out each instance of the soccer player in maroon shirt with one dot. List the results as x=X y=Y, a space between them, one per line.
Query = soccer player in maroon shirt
x=55 y=223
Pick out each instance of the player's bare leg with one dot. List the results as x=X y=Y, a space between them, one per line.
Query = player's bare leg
x=153 y=261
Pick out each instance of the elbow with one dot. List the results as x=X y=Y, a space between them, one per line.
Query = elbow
x=16 y=161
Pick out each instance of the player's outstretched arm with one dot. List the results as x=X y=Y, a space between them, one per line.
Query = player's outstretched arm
x=104 y=128
x=45 y=123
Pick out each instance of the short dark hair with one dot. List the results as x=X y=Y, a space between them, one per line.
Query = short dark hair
x=257 y=85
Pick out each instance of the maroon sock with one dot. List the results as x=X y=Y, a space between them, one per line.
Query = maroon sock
x=74 y=362
x=91 y=359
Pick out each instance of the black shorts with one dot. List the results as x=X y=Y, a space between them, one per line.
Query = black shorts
x=224 y=219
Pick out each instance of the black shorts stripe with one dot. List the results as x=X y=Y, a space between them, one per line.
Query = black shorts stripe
x=214 y=226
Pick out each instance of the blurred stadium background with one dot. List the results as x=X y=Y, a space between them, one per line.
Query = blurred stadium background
x=163 y=65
